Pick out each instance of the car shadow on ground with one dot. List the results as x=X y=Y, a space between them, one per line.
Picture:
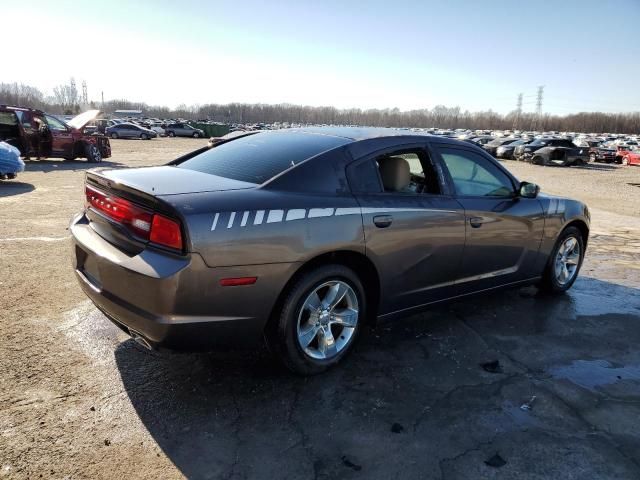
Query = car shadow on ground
x=431 y=396
x=9 y=188
x=601 y=167
x=56 y=164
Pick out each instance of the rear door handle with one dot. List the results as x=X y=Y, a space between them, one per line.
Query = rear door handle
x=476 y=222
x=382 y=221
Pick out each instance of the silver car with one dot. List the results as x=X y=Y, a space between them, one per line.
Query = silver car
x=130 y=130
x=304 y=236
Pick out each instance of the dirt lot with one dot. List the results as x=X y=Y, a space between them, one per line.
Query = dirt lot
x=78 y=399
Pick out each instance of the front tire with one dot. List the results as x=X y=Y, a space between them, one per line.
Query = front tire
x=92 y=152
x=144 y=136
x=196 y=135
x=319 y=320
x=564 y=262
x=114 y=135
x=171 y=134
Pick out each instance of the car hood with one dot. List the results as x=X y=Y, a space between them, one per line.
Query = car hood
x=81 y=120
x=167 y=180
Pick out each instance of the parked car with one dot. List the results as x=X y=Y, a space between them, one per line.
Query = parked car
x=492 y=146
x=599 y=153
x=565 y=156
x=304 y=236
x=523 y=152
x=158 y=128
x=10 y=162
x=629 y=155
x=130 y=130
x=506 y=150
x=41 y=135
x=183 y=130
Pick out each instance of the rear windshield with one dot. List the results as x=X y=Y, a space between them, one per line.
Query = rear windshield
x=259 y=157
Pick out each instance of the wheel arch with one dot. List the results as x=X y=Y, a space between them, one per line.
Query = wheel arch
x=580 y=225
x=356 y=261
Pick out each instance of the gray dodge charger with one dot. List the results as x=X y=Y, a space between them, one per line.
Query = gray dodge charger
x=301 y=237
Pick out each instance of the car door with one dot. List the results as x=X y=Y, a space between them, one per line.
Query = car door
x=61 y=138
x=415 y=237
x=503 y=229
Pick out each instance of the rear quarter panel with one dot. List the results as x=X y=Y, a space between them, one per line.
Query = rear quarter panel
x=257 y=226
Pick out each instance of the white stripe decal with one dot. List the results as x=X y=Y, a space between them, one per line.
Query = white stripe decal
x=295 y=214
x=348 y=211
x=275 y=216
x=320 y=212
x=245 y=217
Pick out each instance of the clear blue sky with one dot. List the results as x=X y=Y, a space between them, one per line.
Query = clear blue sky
x=384 y=54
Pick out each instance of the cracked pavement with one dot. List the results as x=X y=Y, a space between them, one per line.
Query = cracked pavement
x=78 y=399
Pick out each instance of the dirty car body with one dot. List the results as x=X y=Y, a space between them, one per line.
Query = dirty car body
x=558 y=155
x=220 y=240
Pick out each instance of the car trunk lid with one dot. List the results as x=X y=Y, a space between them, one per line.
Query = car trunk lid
x=124 y=206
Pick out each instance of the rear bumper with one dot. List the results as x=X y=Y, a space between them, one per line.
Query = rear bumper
x=174 y=302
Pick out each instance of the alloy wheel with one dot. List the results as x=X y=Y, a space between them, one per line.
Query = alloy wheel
x=327 y=320
x=567 y=261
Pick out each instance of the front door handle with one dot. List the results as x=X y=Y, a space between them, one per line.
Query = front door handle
x=476 y=222
x=382 y=221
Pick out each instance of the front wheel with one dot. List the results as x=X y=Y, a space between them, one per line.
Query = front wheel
x=196 y=135
x=92 y=153
x=114 y=135
x=144 y=136
x=592 y=157
x=171 y=134
x=625 y=161
x=319 y=320
x=565 y=262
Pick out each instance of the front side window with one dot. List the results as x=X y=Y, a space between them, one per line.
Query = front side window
x=474 y=175
x=55 y=124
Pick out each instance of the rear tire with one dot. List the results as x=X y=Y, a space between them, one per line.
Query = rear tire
x=537 y=161
x=559 y=276
x=323 y=329
x=114 y=135
x=625 y=161
x=171 y=134
x=144 y=136
x=593 y=158
x=196 y=135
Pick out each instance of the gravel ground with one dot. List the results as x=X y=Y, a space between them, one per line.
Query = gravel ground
x=80 y=400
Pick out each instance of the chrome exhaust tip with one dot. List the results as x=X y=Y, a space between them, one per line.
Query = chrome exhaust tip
x=140 y=340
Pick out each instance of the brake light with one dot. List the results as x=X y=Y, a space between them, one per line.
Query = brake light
x=165 y=231
x=136 y=219
x=143 y=223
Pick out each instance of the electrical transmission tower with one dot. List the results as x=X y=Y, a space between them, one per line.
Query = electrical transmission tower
x=516 y=120
x=85 y=96
x=539 y=96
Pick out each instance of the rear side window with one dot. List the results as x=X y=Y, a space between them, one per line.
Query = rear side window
x=8 y=118
x=259 y=157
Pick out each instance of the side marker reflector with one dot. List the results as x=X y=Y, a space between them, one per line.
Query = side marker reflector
x=234 y=282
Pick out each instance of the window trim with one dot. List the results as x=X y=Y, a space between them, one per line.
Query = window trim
x=514 y=181
x=442 y=181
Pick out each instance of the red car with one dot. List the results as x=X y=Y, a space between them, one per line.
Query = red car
x=630 y=156
x=38 y=134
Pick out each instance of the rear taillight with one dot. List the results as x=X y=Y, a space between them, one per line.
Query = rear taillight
x=143 y=223
x=165 y=231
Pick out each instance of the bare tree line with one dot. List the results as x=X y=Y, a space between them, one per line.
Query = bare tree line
x=65 y=99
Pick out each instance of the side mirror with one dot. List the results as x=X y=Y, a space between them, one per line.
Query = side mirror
x=529 y=190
